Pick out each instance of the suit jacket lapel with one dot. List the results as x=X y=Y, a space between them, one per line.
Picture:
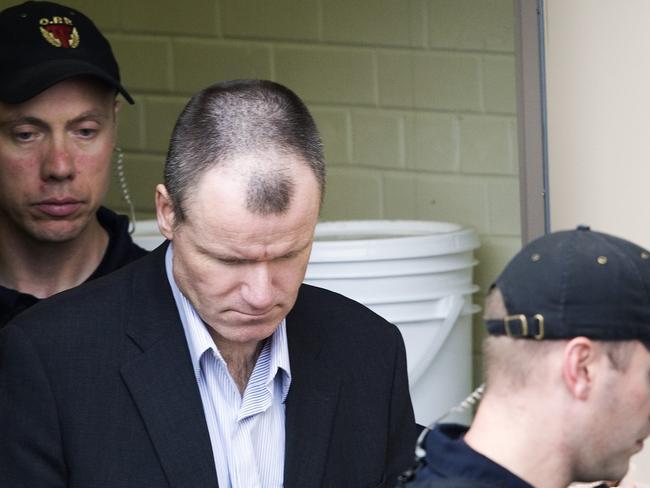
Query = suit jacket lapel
x=161 y=380
x=310 y=406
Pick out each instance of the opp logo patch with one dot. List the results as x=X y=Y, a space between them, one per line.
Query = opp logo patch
x=59 y=32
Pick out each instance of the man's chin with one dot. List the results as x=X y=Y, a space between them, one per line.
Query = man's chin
x=244 y=334
x=56 y=232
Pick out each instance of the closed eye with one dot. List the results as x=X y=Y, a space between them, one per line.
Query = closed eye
x=25 y=136
x=86 y=133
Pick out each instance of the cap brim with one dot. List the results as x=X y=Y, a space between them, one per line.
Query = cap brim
x=32 y=81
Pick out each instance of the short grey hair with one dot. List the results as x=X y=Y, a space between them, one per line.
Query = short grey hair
x=239 y=117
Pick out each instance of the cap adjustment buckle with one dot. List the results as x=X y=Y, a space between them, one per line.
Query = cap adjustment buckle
x=524 y=328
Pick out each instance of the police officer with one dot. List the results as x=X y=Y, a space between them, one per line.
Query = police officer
x=58 y=129
x=567 y=370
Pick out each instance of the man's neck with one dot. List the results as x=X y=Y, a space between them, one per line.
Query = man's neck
x=522 y=439
x=43 y=269
x=241 y=359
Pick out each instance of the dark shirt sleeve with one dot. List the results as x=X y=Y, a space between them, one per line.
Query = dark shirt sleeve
x=30 y=441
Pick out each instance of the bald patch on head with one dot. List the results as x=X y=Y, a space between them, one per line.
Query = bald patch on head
x=269 y=192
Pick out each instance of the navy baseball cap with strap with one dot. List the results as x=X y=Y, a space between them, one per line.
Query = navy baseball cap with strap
x=576 y=283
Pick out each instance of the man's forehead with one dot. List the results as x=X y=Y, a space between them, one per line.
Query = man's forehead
x=235 y=232
x=97 y=97
x=81 y=86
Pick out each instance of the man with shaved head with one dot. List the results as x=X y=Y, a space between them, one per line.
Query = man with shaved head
x=208 y=362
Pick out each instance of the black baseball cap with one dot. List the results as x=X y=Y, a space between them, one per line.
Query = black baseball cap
x=43 y=43
x=576 y=283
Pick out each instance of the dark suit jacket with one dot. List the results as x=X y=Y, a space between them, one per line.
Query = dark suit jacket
x=97 y=390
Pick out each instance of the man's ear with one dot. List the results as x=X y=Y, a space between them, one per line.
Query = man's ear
x=117 y=105
x=164 y=212
x=116 y=108
x=579 y=367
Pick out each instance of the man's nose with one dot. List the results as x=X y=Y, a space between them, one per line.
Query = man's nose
x=58 y=163
x=257 y=289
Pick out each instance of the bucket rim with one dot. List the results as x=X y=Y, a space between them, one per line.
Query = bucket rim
x=425 y=297
x=351 y=274
x=423 y=320
x=395 y=238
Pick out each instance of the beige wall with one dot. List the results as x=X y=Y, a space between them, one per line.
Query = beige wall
x=415 y=98
x=598 y=73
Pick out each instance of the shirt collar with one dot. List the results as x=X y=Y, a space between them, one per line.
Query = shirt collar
x=199 y=340
x=280 y=358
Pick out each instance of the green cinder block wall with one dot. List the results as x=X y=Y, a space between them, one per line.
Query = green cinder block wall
x=415 y=99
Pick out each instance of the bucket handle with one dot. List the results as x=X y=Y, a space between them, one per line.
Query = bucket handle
x=455 y=307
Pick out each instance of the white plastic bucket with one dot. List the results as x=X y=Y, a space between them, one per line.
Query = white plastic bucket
x=147 y=235
x=417 y=275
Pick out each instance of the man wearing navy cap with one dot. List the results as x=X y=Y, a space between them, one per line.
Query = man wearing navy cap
x=58 y=129
x=567 y=368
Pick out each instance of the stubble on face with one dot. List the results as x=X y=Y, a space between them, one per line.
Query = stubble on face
x=622 y=419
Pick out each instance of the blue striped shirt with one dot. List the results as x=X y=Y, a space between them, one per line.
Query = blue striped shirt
x=246 y=432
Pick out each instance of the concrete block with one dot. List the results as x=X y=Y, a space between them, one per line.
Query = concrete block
x=486 y=146
x=279 y=19
x=418 y=23
x=145 y=62
x=503 y=201
x=477 y=356
x=352 y=194
x=105 y=15
x=160 y=117
x=395 y=79
x=377 y=139
x=130 y=125
x=200 y=63
x=431 y=142
x=462 y=201
x=375 y=22
x=334 y=75
x=472 y=24
x=514 y=145
x=429 y=81
x=493 y=255
x=400 y=200
x=195 y=17
x=143 y=173
x=334 y=128
x=446 y=82
x=499 y=88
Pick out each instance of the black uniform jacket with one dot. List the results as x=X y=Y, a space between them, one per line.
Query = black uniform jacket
x=120 y=251
x=451 y=463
